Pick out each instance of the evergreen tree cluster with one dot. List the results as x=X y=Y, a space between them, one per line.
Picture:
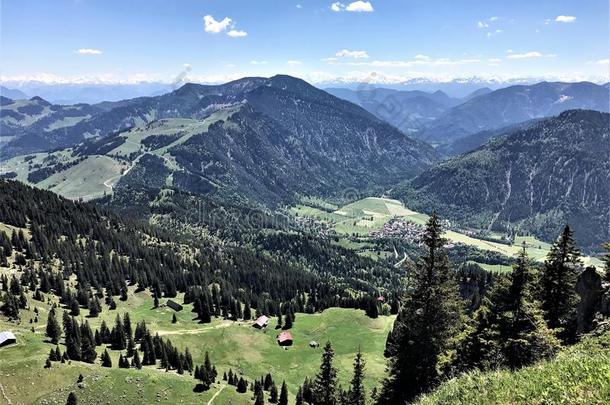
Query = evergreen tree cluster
x=508 y=321
x=109 y=254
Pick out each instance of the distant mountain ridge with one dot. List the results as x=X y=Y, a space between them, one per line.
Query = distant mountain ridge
x=409 y=111
x=13 y=94
x=536 y=179
x=512 y=105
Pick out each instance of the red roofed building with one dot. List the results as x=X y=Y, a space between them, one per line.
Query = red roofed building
x=261 y=322
x=284 y=339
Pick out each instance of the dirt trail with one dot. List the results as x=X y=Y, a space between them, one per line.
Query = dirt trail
x=215 y=395
x=8 y=400
x=193 y=331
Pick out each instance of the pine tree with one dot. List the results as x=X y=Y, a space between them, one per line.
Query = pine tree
x=558 y=284
x=299 y=397
x=288 y=321
x=325 y=384
x=88 y=353
x=247 y=312
x=242 y=385
x=267 y=382
x=53 y=328
x=106 y=360
x=357 y=394
x=509 y=329
x=135 y=362
x=119 y=340
x=259 y=396
x=427 y=324
x=283 y=400
x=73 y=339
x=273 y=394
x=188 y=360
x=72 y=400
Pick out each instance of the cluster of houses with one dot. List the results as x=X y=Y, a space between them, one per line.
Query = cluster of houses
x=313 y=225
x=400 y=228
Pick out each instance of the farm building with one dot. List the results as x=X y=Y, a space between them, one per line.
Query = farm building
x=314 y=344
x=174 y=305
x=284 y=339
x=261 y=322
x=7 y=338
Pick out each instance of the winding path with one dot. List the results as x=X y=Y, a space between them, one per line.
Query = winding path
x=8 y=400
x=216 y=394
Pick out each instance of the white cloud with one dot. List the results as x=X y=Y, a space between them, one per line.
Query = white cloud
x=355 y=7
x=421 y=57
x=482 y=24
x=258 y=62
x=530 y=55
x=494 y=18
x=216 y=27
x=231 y=65
x=321 y=77
x=565 y=18
x=344 y=53
x=299 y=6
x=88 y=51
x=237 y=34
x=337 y=6
x=294 y=63
x=360 y=7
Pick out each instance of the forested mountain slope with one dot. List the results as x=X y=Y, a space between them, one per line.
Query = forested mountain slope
x=106 y=251
x=536 y=179
x=409 y=111
x=257 y=140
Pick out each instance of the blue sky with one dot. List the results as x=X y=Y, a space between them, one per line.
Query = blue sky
x=127 y=41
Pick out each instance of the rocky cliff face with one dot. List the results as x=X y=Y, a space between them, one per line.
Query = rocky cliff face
x=594 y=303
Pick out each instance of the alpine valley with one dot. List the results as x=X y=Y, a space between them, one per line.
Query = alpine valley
x=216 y=243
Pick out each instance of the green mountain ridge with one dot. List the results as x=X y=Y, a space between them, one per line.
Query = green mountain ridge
x=533 y=180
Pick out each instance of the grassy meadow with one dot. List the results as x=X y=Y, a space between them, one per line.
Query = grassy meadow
x=578 y=375
x=365 y=216
x=236 y=345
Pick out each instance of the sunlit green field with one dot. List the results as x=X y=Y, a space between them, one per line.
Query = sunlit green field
x=365 y=216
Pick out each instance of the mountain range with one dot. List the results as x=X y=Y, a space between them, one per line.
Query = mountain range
x=265 y=140
x=536 y=179
x=512 y=105
x=439 y=119
x=409 y=111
